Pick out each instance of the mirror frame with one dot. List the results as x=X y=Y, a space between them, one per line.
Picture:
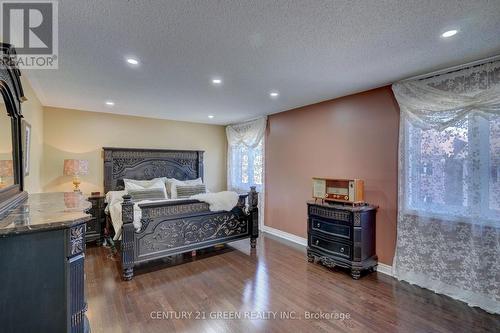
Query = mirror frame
x=13 y=95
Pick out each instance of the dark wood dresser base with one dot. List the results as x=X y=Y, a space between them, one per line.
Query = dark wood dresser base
x=42 y=258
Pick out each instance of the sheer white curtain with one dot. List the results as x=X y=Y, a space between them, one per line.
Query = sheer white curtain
x=245 y=158
x=449 y=185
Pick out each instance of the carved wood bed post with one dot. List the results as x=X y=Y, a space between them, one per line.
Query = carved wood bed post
x=127 y=246
x=253 y=219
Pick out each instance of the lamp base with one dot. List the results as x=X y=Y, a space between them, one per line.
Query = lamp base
x=76 y=184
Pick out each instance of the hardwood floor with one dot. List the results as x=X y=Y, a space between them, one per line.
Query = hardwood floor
x=276 y=277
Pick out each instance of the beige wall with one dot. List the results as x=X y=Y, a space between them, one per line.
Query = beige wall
x=350 y=137
x=33 y=113
x=80 y=134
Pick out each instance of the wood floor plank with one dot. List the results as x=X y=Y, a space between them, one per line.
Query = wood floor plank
x=275 y=277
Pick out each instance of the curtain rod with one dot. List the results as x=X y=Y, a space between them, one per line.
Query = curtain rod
x=453 y=69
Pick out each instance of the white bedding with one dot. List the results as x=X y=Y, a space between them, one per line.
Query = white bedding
x=225 y=200
x=115 y=211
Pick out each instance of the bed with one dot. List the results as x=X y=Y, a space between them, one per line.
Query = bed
x=171 y=227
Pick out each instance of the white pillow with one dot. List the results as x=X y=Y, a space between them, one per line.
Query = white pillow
x=144 y=183
x=173 y=183
x=156 y=183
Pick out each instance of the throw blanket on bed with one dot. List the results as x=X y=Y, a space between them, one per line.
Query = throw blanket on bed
x=225 y=200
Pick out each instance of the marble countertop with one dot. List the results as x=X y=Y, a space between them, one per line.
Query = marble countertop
x=46 y=211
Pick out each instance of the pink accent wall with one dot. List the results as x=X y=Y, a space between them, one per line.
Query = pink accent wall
x=350 y=137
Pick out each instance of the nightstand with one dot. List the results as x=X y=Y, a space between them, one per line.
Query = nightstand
x=95 y=227
x=342 y=235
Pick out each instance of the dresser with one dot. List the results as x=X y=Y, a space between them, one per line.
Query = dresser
x=342 y=235
x=42 y=253
x=95 y=226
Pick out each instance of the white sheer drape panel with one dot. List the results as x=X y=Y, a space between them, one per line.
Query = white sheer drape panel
x=449 y=185
x=246 y=158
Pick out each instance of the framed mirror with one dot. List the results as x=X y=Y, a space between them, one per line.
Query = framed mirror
x=11 y=165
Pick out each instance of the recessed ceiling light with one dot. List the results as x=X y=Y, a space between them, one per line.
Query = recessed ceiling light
x=274 y=94
x=211 y=116
x=449 y=33
x=217 y=81
x=110 y=103
x=133 y=61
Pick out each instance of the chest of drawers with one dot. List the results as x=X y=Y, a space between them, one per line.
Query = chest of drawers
x=42 y=260
x=342 y=236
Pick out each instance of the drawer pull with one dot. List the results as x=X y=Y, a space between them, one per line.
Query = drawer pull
x=342 y=250
x=317 y=241
x=318 y=225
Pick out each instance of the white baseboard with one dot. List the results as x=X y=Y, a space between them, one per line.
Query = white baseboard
x=384 y=269
x=285 y=235
x=381 y=268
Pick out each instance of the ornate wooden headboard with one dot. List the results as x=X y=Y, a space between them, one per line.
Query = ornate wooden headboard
x=145 y=164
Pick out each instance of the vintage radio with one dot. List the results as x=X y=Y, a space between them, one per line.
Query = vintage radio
x=341 y=190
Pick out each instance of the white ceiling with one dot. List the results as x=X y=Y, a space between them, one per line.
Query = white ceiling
x=308 y=50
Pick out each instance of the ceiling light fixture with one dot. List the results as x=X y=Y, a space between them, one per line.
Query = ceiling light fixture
x=211 y=116
x=449 y=33
x=110 y=103
x=217 y=81
x=274 y=94
x=133 y=61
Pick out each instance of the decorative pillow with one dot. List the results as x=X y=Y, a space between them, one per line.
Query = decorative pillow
x=157 y=183
x=144 y=183
x=172 y=184
x=185 y=191
x=147 y=194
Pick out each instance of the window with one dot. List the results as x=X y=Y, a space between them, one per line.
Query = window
x=449 y=214
x=455 y=170
x=494 y=181
x=245 y=158
x=247 y=167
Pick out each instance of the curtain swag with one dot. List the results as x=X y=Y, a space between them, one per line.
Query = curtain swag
x=444 y=100
x=249 y=133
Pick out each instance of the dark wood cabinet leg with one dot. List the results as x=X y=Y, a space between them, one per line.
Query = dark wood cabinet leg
x=128 y=273
x=253 y=242
x=355 y=273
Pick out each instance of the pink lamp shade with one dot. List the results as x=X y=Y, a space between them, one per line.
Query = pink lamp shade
x=76 y=167
x=6 y=168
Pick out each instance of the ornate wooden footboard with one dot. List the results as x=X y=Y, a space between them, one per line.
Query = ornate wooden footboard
x=170 y=228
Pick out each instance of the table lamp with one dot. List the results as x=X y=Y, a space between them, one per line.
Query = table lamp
x=76 y=168
x=6 y=170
